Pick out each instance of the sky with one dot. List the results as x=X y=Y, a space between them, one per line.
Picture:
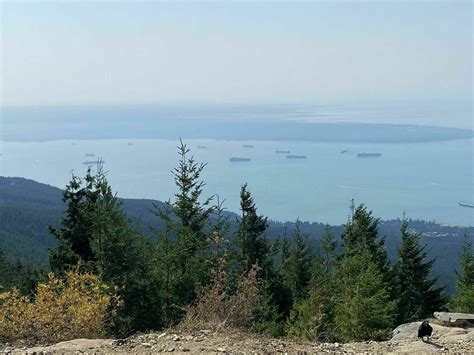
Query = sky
x=107 y=52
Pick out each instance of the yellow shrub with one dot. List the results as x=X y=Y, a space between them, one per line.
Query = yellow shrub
x=77 y=307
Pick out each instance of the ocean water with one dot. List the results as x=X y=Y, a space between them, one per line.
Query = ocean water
x=426 y=180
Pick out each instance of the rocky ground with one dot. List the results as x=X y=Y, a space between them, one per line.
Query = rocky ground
x=444 y=339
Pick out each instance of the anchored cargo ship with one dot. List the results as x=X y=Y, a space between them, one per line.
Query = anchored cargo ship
x=93 y=162
x=282 y=151
x=368 y=155
x=465 y=204
x=89 y=155
x=202 y=147
x=247 y=146
x=291 y=156
x=238 y=159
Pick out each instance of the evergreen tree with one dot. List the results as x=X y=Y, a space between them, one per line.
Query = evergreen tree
x=361 y=235
x=463 y=301
x=183 y=248
x=312 y=317
x=297 y=269
x=419 y=296
x=253 y=246
x=96 y=235
x=363 y=307
x=328 y=249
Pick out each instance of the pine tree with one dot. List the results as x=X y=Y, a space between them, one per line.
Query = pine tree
x=363 y=307
x=361 y=235
x=312 y=317
x=419 y=296
x=182 y=251
x=96 y=235
x=297 y=271
x=328 y=249
x=463 y=301
x=253 y=246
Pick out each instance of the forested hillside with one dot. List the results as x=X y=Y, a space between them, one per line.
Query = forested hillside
x=27 y=208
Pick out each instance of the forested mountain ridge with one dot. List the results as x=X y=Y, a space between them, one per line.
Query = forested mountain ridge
x=28 y=207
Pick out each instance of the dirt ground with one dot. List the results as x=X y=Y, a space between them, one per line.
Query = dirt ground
x=444 y=340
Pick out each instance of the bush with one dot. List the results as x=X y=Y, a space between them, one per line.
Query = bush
x=80 y=306
x=217 y=308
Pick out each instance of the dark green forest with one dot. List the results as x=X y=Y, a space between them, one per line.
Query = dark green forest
x=27 y=208
x=343 y=283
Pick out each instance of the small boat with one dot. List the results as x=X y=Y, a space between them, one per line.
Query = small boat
x=368 y=155
x=130 y=143
x=238 y=159
x=247 y=146
x=344 y=151
x=291 y=156
x=202 y=147
x=466 y=204
x=282 y=151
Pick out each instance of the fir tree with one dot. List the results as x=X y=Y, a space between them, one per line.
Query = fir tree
x=463 y=300
x=363 y=307
x=297 y=269
x=328 y=249
x=253 y=246
x=419 y=296
x=183 y=248
x=96 y=235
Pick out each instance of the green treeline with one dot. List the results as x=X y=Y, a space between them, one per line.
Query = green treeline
x=342 y=289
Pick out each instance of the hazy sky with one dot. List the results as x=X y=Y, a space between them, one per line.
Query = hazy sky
x=127 y=52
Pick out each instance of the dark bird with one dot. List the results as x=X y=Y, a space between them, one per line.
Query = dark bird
x=425 y=330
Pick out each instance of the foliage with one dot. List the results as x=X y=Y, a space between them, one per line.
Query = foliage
x=363 y=309
x=182 y=249
x=80 y=306
x=419 y=297
x=296 y=268
x=463 y=301
x=218 y=308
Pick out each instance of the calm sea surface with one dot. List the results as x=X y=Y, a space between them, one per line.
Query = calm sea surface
x=427 y=180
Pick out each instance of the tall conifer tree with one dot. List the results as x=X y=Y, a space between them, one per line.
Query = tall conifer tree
x=463 y=300
x=419 y=296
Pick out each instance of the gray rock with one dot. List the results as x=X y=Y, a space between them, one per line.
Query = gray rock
x=455 y=319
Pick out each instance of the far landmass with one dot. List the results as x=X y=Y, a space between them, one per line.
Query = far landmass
x=230 y=123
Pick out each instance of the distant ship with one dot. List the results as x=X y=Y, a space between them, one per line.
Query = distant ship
x=282 y=151
x=93 y=162
x=368 y=155
x=202 y=147
x=247 y=146
x=344 y=151
x=237 y=159
x=130 y=143
x=89 y=155
x=291 y=156
x=465 y=204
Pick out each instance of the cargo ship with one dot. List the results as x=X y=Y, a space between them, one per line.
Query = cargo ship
x=238 y=159
x=291 y=156
x=466 y=204
x=247 y=146
x=344 y=151
x=89 y=155
x=93 y=162
x=202 y=147
x=368 y=155
x=282 y=151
